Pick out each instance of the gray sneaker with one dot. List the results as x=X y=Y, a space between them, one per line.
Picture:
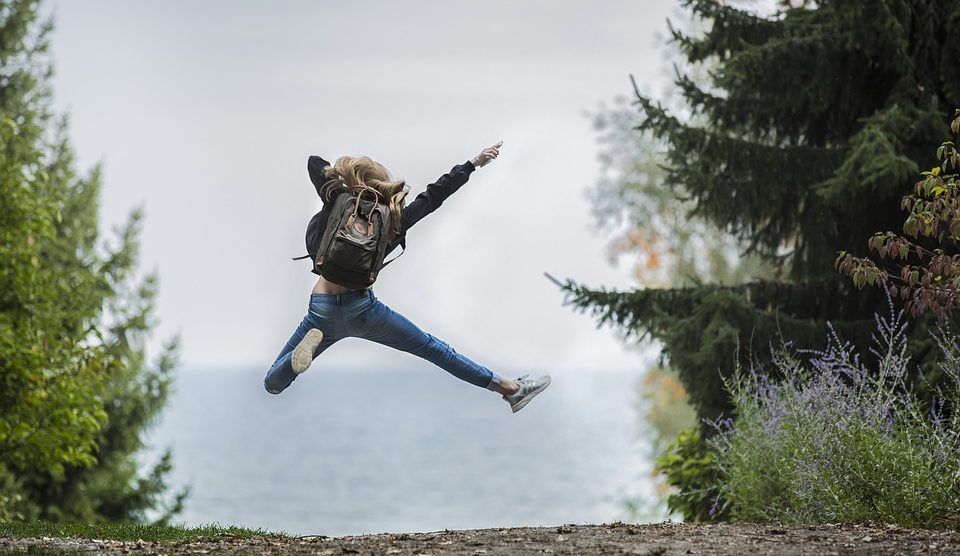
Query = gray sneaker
x=529 y=387
x=303 y=353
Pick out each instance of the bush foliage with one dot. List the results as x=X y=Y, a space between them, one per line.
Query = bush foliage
x=838 y=439
x=932 y=234
x=689 y=465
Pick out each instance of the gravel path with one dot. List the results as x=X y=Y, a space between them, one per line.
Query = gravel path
x=616 y=538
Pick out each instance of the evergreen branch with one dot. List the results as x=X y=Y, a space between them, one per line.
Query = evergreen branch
x=732 y=30
x=701 y=329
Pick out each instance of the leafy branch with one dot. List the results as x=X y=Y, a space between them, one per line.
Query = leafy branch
x=931 y=284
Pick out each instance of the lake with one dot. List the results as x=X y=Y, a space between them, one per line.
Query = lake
x=366 y=451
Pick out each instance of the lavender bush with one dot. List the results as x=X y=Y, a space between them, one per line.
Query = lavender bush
x=841 y=440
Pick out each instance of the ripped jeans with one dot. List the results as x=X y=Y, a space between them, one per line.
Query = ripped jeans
x=361 y=315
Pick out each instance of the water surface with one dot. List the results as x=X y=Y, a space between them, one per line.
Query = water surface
x=350 y=452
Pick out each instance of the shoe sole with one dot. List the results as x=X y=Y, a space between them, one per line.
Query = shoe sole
x=523 y=403
x=303 y=353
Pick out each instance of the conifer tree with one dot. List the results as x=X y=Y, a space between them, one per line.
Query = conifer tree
x=811 y=126
x=76 y=392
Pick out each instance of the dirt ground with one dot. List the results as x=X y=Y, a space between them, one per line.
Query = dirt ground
x=616 y=538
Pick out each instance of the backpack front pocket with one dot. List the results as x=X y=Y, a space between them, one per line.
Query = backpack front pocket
x=352 y=252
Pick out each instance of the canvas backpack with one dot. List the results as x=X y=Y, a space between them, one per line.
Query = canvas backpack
x=350 y=251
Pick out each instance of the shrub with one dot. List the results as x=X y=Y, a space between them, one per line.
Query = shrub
x=688 y=464
x=838 y=440
x=932 y=230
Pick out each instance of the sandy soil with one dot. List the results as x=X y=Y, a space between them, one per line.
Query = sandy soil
x=616 y=538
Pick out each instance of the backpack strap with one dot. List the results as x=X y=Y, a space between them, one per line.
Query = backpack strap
x=403 y=249
x=307 y=256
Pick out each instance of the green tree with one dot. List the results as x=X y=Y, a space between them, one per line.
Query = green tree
x=800 y=144
x=77 y=392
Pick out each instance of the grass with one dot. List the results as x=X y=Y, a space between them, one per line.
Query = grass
x=129 y=531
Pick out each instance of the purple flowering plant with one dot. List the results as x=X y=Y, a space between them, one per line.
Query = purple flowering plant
x=843 y=438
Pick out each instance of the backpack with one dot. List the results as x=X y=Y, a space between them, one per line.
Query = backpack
x=350 y=251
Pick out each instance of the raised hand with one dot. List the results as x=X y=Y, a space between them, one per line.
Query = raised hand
x=486 y=155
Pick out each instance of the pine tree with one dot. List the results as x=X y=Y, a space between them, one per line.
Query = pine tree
x=75 y=391
x=813 y=124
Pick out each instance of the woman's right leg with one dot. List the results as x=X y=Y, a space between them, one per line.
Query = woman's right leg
x=281 y=373
x=385 y=326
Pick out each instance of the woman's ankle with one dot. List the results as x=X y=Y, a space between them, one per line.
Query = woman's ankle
x=507 y=387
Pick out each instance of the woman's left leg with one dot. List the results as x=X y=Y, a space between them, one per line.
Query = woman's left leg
x=385 y=326
x=282 y=373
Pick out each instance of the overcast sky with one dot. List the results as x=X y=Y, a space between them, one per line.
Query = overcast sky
x=204 y=114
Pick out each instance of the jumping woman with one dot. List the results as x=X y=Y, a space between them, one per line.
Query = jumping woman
x=343 y=310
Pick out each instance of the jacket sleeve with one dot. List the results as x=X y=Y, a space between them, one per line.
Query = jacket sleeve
x=431 y=199
x=315 y=167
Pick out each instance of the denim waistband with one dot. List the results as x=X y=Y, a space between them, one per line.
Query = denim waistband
x=352 y=296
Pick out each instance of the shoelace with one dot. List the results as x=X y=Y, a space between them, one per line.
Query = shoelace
x=524 y=384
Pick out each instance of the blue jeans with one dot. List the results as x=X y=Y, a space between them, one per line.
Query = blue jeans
x=361 y=315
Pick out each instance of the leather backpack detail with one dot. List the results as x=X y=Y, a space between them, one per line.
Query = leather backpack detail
x=353 y=245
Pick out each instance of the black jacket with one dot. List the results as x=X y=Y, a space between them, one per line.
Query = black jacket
x=425 y=203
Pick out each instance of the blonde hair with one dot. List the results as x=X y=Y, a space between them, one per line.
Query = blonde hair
x=358 y=172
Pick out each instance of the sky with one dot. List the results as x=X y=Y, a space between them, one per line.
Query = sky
x=204 y=114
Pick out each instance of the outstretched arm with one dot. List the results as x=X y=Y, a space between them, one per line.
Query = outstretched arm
x=436 y=192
